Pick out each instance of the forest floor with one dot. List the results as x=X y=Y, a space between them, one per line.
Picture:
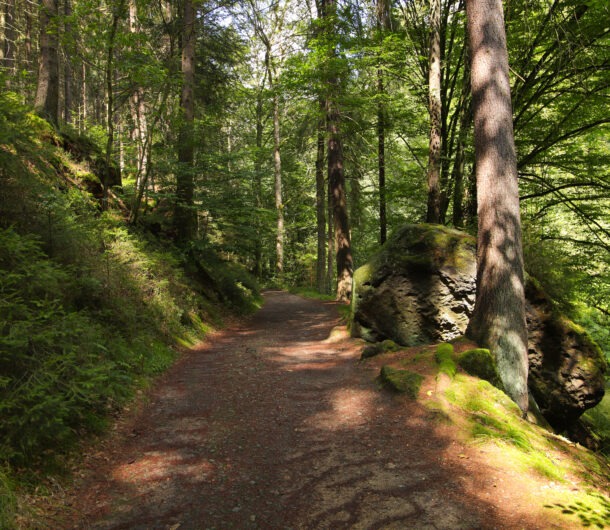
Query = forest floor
x=274 y=424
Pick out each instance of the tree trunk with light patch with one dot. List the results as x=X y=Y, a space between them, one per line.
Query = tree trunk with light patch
x=498 y=321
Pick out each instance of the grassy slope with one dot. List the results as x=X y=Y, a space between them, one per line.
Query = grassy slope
x=90 y=309
x=563 y=482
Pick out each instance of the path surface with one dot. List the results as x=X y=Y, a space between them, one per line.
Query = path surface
x=274 y=425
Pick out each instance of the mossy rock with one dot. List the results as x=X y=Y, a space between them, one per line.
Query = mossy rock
x=444 y=358
x=371 y=350
x=402 y=381
x=389 y=345
x=418 y=288
x=379 y=347
x=480 y=363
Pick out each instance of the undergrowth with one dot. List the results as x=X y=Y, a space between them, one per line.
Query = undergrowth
x=90 y=309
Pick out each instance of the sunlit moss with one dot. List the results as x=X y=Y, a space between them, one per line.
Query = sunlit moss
x=495 y=418
x=480 y=363
x=444 y=358
x=590 y=508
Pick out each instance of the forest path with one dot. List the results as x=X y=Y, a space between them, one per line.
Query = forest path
x=273 y=424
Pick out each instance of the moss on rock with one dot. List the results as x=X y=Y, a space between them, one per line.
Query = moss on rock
x=444 y=358
x=480 y=363
x=402 y=381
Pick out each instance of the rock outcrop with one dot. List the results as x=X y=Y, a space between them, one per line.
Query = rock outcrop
x=420 y=288
x=566 y=368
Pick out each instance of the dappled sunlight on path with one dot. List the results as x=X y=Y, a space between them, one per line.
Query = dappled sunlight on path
x=274 y=424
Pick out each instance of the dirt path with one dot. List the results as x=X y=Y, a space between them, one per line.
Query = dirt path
x=274 y=425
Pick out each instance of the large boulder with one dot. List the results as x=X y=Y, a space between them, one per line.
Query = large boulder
x=566 y=368
x=420 y=288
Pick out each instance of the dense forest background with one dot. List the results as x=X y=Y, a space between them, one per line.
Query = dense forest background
x=155 y=156
x=258 y=73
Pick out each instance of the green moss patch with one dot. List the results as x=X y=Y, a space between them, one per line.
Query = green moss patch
x=402 y=381
x=444 y=358
x=480 y=363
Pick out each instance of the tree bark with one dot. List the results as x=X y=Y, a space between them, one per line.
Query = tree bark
x=109 y=78
x=330 y=255
x=138 y=114
x=433 y=214
x=8 y=44
x=382 y=25
x=321 y=203
x=67 y=69
x=277 y=165
x=336 y=177
x=185 y=218
x=459 y=164
x=498 y=320
x=46 y=103
x=258 y=185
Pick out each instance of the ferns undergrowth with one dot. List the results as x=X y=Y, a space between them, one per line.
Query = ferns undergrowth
x=90 y=308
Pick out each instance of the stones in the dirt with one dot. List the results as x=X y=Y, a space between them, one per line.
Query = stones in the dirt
x=420 y=288
x=403 y=381
x=370 y=350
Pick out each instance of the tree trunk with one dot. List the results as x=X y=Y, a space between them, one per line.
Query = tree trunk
x=382 y=25
x=109 y=77
x=46 y=103
x=277 y=166
x=67 y=69
x=433 y=214
x=383 y=222
x=8 y=44
x=336 y=177
x=138 y=114
x=185 y=219
x=498 y=320
x=459 y=164
x=330 y=255
x=258 y=185
x=321 y=204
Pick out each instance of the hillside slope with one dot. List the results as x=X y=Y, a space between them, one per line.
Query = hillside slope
x=90 y=307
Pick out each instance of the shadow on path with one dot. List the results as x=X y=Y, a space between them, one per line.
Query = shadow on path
x=274 y=425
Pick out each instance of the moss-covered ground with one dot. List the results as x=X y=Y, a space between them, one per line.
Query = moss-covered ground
x=571 y=482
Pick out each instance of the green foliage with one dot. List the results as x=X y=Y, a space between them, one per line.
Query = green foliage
x=598 y=418
x=89 y=308
x=8 y=500
x=444 y=358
